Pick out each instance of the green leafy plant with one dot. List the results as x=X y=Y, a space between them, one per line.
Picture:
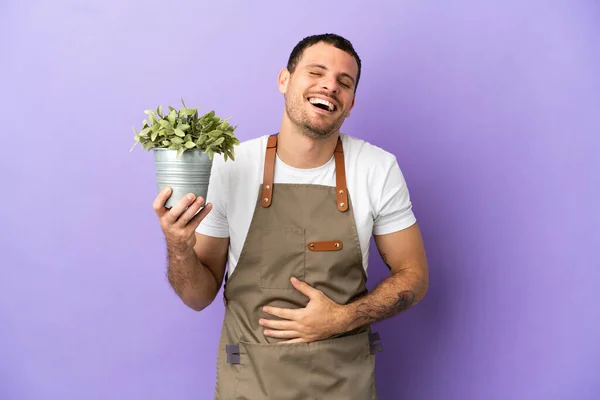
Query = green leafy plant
x=184 y=130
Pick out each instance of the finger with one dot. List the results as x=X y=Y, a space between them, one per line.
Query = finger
x=296 y=340
x=305 y=288
x=195 y=221
x=282 y=334
x=179 y=208
x=191 y=211
x=159 y=202
x=280 y=325
x=281 y=312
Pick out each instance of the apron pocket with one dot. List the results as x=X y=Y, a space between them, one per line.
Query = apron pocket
x=282 y=256
x=344 y=368
x=333 y=369
x=274 y=371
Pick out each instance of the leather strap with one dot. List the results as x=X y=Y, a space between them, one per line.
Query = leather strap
x=269 y=172
x=332 y=245
x=340 y=177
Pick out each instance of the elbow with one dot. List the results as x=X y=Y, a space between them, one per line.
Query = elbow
x=196 y=307
x=195 y=301
x=423 y=290
x=422 y=286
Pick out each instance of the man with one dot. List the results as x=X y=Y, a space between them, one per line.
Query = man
x=292 y=217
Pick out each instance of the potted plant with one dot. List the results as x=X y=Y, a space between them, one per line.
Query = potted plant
x=184 y=145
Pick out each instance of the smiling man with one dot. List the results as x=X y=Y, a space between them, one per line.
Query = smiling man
x=292 y=218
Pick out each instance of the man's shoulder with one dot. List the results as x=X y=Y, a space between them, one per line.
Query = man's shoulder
x=247 y=153
x=365 y=153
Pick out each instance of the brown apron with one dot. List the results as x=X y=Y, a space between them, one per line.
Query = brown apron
x=306 y=231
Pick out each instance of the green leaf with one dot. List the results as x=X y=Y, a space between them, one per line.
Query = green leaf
x=166 y=142
x=218 y=141
x=180 y=151
x=174 y=146
x=160 y=109
x=148 y=145
x=149 y=112
x=190 y=144
x=187 y=112
x=230 y=154
x=172 y=116
x=216 y=133
x=201 y=140
x=154 y=136
x=145 y=131
x=179 y=132
x=182 y=102
x=176 y=140
x=184 y=127
x=210 y=153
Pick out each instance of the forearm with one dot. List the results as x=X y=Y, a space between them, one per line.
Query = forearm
x=192 y=281
x=395 y=294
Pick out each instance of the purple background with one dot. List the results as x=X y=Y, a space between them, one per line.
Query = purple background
x=492 y=109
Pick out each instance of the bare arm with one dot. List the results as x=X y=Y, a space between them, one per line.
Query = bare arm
x=404 y=254
x=196 y=274
x=196 y=263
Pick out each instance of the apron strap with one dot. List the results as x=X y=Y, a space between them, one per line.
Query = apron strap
x=269 y=171
x=269 y=174
x=340 y=177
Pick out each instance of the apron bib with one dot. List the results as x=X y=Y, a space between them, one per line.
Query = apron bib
x=306 y=231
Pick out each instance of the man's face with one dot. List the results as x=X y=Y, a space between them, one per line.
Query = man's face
x=320 y=93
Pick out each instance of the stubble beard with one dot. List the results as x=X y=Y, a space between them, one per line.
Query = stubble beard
x=299 y=117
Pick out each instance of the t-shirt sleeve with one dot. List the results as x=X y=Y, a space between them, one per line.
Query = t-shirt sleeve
x=215 y=223
x=393 y=207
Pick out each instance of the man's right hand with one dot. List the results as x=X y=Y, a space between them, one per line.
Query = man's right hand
x=180 y=222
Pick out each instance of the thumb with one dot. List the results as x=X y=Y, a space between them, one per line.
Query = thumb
x=304 y=288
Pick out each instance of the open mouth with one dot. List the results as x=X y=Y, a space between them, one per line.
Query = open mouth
x=322 y=104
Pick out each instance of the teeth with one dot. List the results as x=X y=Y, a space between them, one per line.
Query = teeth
x=314 y=100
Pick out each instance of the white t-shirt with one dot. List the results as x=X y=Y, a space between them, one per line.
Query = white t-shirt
x=380 y=197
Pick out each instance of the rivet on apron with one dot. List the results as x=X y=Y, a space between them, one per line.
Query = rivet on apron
x=266 y=200
x=312 y=245
x=268 y=186
x=342 y=204
x=341 y=191
x=336 y=245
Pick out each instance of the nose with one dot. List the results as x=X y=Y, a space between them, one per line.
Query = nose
x=330 y=84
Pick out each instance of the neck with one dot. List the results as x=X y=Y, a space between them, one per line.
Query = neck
x=300 y=151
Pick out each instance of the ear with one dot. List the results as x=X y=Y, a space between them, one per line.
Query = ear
x=282 y=80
